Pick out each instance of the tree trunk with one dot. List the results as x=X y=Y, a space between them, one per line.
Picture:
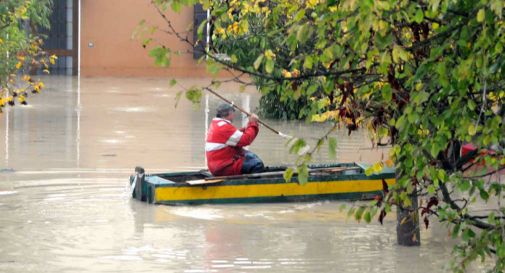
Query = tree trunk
x=407 y=225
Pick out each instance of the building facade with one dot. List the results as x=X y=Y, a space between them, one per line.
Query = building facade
x=95 y=38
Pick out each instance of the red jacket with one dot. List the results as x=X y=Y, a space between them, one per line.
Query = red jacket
x=223 y=148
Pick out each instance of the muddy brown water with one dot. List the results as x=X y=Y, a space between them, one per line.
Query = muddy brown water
x=64 y=205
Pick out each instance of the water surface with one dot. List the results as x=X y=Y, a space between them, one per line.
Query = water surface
x=64 y=204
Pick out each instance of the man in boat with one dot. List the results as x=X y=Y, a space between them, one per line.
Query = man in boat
x=225 y=144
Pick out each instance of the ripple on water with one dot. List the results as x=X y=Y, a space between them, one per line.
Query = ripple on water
x=198 y=213
x=133 y=109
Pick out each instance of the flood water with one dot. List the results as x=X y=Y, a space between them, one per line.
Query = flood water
x=64 y=204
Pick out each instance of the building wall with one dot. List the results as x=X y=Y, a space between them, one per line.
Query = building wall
x=109 y=25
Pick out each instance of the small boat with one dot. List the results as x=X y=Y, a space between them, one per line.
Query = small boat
x=343 y=181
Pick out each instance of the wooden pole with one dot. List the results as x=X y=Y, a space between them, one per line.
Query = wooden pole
x=243 y=111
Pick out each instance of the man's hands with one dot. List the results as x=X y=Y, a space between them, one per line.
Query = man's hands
x=253 y=118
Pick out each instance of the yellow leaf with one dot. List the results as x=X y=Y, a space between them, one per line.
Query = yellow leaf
x=481 y=15
x=312 y=3
x=269 y=54
x=400 y=54
x=19 y=65
x=53 y=59
x=419 y=86
x=219 y=30
x=286 y=74
x=472 y=130
x=319 y=118
x=377 y=167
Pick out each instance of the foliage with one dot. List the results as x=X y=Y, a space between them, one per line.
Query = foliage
x=21 y=48
x=423 y=76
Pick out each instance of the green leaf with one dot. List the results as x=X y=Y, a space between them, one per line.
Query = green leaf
x=201 y=27
x=258 y=61
x=194 y=94
x=464 y=185
x=244 y=26
x=308 y=63
x=206 y=4
x=351 y=211
x=418 y=18
x=359 y=213
x=367 y=217
x=468 y=234
x=296 y=145
x=303 y=174
x=304 y=33
x=288 y=174
x=472 y=130
x=434 y=150
x=269 y=66
x=332 y=147
x=481 y=15
x=299 y=15
x=327 y=55
x=471 y=104
x=161 y=56
x=484 y=195
x=455 y=230
x=233 y=58
x=497 y=6
x=387 y=92
x=213 y=67
x=421 y=97
x=173 y=82
x=176 y=6
x=312 y=88
x=400 y=54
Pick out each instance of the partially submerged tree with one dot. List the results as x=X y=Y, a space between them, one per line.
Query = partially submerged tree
x=21 y=48
x=426 y=77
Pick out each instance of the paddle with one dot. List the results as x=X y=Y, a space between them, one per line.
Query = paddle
x=217 y=179
x=247 y=113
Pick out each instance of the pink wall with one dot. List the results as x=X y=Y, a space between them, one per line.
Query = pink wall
x=109 y=25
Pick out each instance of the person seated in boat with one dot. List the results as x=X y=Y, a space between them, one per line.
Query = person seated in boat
x=224 y=147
